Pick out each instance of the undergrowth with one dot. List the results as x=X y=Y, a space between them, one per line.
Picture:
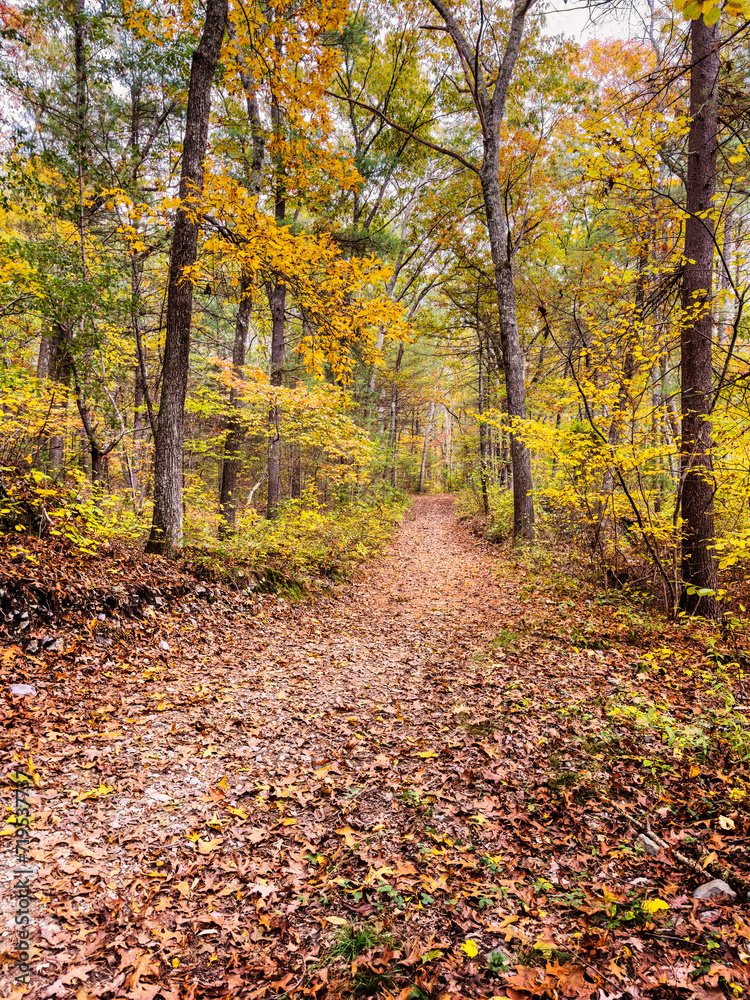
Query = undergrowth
x=306 y=540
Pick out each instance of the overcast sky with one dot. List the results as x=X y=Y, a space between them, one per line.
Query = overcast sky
x=573 y=19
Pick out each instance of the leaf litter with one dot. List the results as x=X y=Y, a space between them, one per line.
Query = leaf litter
x=435 y=783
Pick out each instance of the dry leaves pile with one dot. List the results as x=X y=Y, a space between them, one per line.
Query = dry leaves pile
x=404 y=790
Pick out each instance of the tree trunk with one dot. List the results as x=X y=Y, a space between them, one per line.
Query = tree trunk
x=424 y=447
x=489 y=101
x=393 y=436
x=52 y=363
x=47 y=356
x=482 y=429
x=228 y=499
x=278 y=315
x=142 y=390
x=277 y=303
x=60 y=372
x=295 y=479
x=514 y=362
x=698 y=562
x=166 y=529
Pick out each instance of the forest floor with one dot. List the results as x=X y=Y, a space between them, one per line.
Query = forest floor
x=427 y=784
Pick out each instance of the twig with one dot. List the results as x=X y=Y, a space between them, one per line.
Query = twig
x=738 y=882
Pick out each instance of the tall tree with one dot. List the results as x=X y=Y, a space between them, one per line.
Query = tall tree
x=232 y=462
x=277 y=303
x=489 y=100
x=699 y=571
x=166 y=529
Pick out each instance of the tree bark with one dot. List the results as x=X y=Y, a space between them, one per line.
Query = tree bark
x=425 y=445
x=277 y=304
x=166 y=529
x=393 y=436
x=278 y=317
x=295 y=478
x=514 y=365
x=228 y=499
x=482 y=425
x=699 y=569
x=490 y=106
x=59 y=370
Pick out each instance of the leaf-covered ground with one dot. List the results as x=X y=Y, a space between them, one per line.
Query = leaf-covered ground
x=430 y=784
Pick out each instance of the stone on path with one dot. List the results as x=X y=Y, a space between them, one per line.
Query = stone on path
x=714 y=888
x=22 y=690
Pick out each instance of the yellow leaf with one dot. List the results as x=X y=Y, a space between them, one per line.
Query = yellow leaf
x=427 y=753
x=206 y=846
x=654 y=905
x=175 y=963
x=470 y=948
x=694 y=771
x=289 y=821
x=726 y=823
x=94 y=793
x=348 y=834
x=223 y=784
x=337 y=921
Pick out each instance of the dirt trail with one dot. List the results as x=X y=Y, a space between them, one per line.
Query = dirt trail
x=209 y=820
x=432 y=598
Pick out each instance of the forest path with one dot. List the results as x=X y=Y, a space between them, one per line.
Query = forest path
x=432 y=599
x=401 y=788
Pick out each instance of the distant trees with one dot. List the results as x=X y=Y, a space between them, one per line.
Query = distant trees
x=273 y=256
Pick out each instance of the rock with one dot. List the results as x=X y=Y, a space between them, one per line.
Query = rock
x=164 y=645
x=714 y=888
x=22 y=690
x=33 y=647
x=649 y=846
